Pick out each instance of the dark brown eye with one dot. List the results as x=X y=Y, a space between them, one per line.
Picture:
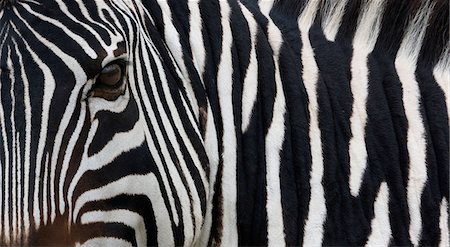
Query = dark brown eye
x=110 y=82
x=110 y=75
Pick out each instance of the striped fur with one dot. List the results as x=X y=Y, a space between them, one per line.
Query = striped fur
x=286 y=122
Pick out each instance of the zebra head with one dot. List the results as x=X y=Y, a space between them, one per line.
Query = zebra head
x=99 y=141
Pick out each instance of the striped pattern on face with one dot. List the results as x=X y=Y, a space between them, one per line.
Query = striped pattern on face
x=76 y=167
x=243 y=122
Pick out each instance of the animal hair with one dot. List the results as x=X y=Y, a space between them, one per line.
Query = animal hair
x=4 y=3
x=339 y=19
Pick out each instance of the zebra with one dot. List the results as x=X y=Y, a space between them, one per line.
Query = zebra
x=224 y=122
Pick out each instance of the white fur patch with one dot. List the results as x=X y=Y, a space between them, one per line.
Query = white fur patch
x=381 y=227
x=250 y=87
x=265 y=6
x=196 y=37
x=332 y=14
x=405 y=64
x=274 y=144
x=212 y=150
x=229 y=156
x=105 y=241
x=443 y=224
x=313 y=232
x=363 y=43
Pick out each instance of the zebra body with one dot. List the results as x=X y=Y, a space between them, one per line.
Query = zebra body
x=224 y=122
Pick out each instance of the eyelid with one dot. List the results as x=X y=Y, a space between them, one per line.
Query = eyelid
x=122 y=62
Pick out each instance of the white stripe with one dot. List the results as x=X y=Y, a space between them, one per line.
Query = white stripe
x=196 y=37
x=44 y=197
x=20 y=207
x=313 y=232
x=4 y=226
x=126 y=140
x=126 y=217
x=363 y=43
x=212 y=151
x=175 y=175
x=416 y=145
x=173 y=42
x=6 y=214
x=14 y=171
x=152 y=147
x=147 y=110
x=225 y=90
x=174 y=112
x=115 y=38
x=49 y=88
x=405 y=64
x=381 y=227
x=306 y=18
x=73 y=36
x=442 y=77
x=13 y=151
x=177 y=119
x=332 y=14
x=26 y=165
x=250 y=87
x=265 y=6
x=274 y=145
x=443 y=224
x=132 y=185
x=68 y=156
x=104 y=241
x=62 y=127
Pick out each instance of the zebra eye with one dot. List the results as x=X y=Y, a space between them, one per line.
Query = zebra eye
x=110 y=82
x=111 y=75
